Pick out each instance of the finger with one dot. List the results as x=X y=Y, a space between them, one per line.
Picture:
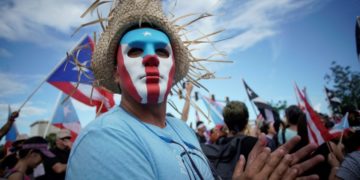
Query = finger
x=256 y=150
x=301 y=153
x=306 y=165
x=258 y=163
x=275 y=158
x=281 y=168
x=239 y=168
x=311 y=177
x=291 y=173
x=290 y=144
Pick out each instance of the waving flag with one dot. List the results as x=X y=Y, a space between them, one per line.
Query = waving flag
x=215 y=110
x=317 y=132
x=334 y=102
x=264 y=108
x=343 y=125
x=74 y=77
x=65 y=116
x=11 y=134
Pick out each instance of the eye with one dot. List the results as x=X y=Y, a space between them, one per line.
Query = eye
x=135 y=52
x=162 y=52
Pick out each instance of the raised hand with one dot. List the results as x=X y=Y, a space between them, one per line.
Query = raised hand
x=262 y=164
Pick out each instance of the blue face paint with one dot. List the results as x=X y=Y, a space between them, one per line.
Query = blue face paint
x=146 y=65
x=146 y=39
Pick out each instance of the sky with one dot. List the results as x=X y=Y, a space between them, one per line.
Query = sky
x=272 y=44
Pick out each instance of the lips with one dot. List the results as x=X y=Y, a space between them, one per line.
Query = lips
x=152 y=75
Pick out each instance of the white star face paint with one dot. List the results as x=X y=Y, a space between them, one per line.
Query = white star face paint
x=146 y=65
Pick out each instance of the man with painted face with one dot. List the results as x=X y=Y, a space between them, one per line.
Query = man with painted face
x=136 y=140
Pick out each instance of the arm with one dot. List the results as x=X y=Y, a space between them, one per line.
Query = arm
x=16 y=176
x=185 y=111
x=6 y=127
x=59 y=167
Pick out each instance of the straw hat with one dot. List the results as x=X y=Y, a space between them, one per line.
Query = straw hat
x=127 y=14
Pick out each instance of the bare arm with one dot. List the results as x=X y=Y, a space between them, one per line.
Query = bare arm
x=59 y=167
x=6 y=127
x=185 y=111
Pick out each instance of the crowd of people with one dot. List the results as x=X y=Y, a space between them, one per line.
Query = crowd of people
x=223 y=144
x=32 y=158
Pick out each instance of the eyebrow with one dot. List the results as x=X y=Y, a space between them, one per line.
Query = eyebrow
x=139 y=44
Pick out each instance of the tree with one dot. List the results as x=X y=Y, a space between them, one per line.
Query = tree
x=345 y=84
x=279 y=105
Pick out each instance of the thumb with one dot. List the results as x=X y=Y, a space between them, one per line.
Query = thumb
x=239 y=168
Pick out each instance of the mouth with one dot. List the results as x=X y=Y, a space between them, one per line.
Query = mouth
x=152 y=77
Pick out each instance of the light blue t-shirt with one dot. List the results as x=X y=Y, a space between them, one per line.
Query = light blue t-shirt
x=289 y=133
x=119 y=146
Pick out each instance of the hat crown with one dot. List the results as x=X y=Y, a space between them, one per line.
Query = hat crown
x=126 y=6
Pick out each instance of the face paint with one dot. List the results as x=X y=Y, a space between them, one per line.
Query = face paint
x=146 y=65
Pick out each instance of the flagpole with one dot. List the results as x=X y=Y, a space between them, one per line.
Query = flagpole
x=51 y=72
x=53 y=115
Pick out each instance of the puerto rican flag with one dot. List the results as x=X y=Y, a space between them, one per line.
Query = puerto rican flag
x=74 y=77
x=10 y=135
x=341 y=127
x=65 y=116
x=215 y=110
x=317 y=132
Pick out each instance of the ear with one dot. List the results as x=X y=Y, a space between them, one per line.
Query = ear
x=116 y=77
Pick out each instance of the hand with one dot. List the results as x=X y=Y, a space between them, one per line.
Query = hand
x=13 y=116
x=336 y=155
x=262 y=164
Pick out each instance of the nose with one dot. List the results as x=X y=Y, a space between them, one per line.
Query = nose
x=151 y=60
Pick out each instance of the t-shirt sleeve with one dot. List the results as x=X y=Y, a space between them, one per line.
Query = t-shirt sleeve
x=350 y=167
x=109 y=154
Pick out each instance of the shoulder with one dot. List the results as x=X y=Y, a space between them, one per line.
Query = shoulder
x=111 y=141
x=350 y=167
x=187 y=134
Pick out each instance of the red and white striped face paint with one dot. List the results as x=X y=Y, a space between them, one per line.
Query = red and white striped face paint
x=146 y=65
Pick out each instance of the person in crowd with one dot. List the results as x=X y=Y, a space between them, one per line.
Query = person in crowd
x=141 y=56
x=6 y=127
x=268 y=129
x=55 y=168
x=218 y=135
x=292 y=115
x=10 y=160
x=201 y=132
x=29 y=156
x=343 y=166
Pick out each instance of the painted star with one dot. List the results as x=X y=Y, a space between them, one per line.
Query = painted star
x=82 y=67
x=146 y=33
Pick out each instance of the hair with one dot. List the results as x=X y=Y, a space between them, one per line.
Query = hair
x=293 y=113
x=236 y=116
x=32 y=140
x=265 y=128
x=302 y=132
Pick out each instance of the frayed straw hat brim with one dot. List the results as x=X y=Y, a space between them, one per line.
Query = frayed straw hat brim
x=124 y=17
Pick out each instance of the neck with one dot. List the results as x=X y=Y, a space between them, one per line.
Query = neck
x=293 y=127
x=149 y=113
